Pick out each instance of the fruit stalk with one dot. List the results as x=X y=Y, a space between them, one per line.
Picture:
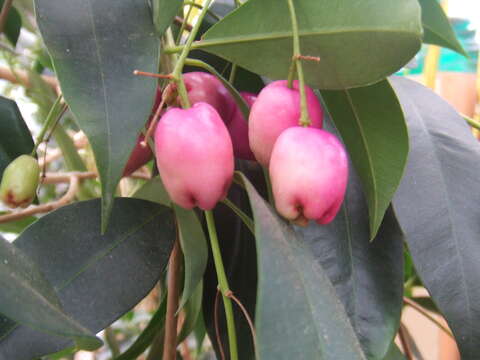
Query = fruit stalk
x=177 y=72
x=223 y=285
x=297 y=64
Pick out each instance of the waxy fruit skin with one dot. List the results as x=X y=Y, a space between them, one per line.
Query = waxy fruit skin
x=204 y=87
x=277 y=108
x=141 y=155
x=20 y=181
x=194 y=156
x=238 y=128
x=309 y=174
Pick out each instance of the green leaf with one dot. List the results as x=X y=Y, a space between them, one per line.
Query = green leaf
x=298 y=315
x=437 y=205
x=371 y=123
x=15 y=138
x=13 y=24
x=95 y=47
x=194 y=248
x=28 y=298
x=16 y=226
x=153 y=190
x=163 y=13
x=368 y=277
x=193 y=310
x=98 y=278
x=437 y=29
x=358 y=45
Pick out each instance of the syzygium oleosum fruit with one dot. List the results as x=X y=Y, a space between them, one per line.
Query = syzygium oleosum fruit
x=277 y=108
x=194 y=156
x=204 y=87
x=238 y=128
x=309 y=174
x=20 y=181
x=142 y=154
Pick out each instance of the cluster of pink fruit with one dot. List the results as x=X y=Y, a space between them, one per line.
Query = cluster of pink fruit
x=195 y=149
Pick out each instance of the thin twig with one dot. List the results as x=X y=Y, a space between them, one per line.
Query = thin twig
x=64 y=200
x=170 y=343
x=425 y=313
x=186 y=351
x=21 y=77
x=232 y=296
x=7 y=5
x=217 y=325
x=403 y=339
x=112 y=341
x=180 y=21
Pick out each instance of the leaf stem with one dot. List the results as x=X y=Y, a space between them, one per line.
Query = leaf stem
x=473 y=123
x=244 y=217
x=52 y=116
x=177 y=72
x=223 y=284
x=296 y=63
x=185 y=20
x=112 y=341
x=425 y=313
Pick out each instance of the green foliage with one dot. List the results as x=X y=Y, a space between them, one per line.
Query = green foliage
x=436 y=27
x=329 y=292
x=371 y=123
x=94 y=58
x=354 y=43
x=437 y=207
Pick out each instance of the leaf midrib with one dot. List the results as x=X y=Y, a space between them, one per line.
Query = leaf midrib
x=106 y=180
x=284 y=35
x=370 y=161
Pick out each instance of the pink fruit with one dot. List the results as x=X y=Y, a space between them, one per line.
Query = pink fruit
x=194 y=156
x=141 y=155
x=204 y=87
x=309 y=173
x=276 y=109
x=238 y=128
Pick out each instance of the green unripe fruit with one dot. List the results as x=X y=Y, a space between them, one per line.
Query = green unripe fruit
x=20 y=181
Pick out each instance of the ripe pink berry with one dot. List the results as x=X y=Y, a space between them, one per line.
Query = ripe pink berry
x=194 y=156
x=238 y=128
x=141 y=155
x=309 y=173
x=276 y=109
x=204 y=87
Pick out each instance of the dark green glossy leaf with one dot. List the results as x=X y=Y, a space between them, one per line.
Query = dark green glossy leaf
x=298 y=315
x=95 y=47
x=438 y=209
x=163 y=13
x=28 y=298
x=97 y=278
x=368 y=276
x=358 y=45
x=15 y=138
x=16 y=226
x=13 y=25
x=437 y=29
x=371 y=123
x=194 y=248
